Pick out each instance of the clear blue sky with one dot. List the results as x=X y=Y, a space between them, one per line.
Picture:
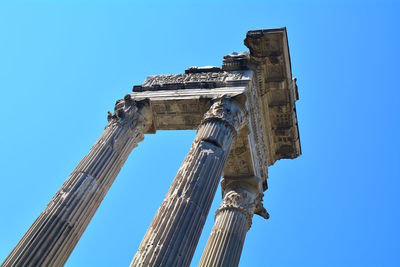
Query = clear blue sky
x=63 y=65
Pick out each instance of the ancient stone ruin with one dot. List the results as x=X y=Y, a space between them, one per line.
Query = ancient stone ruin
x=245 y=116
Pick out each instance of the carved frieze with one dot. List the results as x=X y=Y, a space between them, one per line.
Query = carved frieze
x=191 y=80
x=239 y=162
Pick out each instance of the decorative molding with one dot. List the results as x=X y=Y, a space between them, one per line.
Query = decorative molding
x=227 y=110
x=238 y=198
x=260 y=210
x=131 y=113
x=236 y=61
x=190 y=80
x=270 y=60
x=256 y=130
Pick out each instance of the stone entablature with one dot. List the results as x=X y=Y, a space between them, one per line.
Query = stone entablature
x=270 y=60
x=261 y=80
x=264 y=74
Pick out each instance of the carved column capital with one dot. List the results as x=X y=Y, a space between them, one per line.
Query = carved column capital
x=232 y=221
x=131 y=113
x=238 y=197
x=244 y=194
x=229 y=111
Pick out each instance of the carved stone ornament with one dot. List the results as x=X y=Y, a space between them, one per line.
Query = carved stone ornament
x=202 y=77
x=228 y=111
x=260 y=210
x=239 y=199
x=130 y=113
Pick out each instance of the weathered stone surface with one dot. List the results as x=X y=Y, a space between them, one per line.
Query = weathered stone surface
x=52 y=237
x=262 y=76
x=184 y=107
x=236 y=61
x=199 y=79
x=276 y=92
x=232 y=221
x=173 y=235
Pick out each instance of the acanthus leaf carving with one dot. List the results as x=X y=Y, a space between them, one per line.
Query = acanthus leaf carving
x=238 y=198
x=228 y=111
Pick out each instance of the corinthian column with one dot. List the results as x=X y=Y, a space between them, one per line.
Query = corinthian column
x=52 y=237
x=173 y=235
x=232 y=221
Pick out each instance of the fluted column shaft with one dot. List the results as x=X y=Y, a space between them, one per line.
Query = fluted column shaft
x=232 y=221
x=174 y=233
x=52 y=237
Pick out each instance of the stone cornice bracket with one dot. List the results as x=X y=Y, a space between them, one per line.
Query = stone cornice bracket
x=276 y=92
x=228 y=111
x=260 y=210
x=132 y=113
